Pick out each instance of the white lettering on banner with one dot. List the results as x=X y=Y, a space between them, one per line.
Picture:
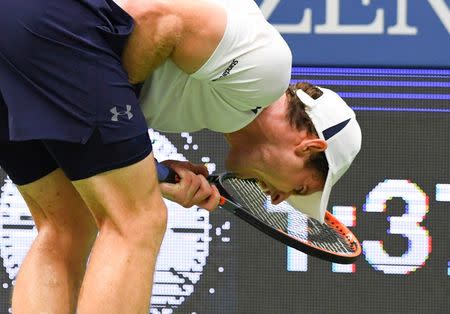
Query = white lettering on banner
x=303 y=27
x=402 y=27
x=333 y=25
x=442 y=11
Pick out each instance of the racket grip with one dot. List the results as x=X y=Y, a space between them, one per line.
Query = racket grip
x=166 y=174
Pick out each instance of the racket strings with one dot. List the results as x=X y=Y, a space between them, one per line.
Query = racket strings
x=285 y=218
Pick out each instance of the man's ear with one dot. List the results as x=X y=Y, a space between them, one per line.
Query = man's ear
x=310 y=146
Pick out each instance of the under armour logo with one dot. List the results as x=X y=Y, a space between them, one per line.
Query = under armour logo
x=116 y=113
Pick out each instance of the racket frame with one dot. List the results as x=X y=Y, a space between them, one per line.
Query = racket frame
x=227 y=202
x=332 y=222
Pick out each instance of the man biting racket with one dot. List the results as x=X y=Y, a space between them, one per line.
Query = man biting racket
x=232 y=76
x=74 y=139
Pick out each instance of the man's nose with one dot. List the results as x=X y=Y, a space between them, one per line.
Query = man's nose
x=277 y=197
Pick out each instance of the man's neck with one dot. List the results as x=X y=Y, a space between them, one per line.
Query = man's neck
x=248 y=136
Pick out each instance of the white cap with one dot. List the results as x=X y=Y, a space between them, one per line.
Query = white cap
x=336 y=123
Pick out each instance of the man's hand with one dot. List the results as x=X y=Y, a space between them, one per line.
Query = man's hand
x=193 y=188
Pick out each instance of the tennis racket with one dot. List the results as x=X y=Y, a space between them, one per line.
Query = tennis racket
x=331 y=240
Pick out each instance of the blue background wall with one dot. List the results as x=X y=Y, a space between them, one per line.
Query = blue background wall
x=422 y=39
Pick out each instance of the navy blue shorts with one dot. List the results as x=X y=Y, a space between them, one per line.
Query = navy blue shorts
x=65 y=100
x=60 y=71
x=28 y=161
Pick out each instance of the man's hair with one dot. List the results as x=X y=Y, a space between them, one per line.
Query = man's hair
x=299 y=119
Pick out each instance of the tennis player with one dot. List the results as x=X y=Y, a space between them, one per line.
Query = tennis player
x=73 y=137
x=233 y=77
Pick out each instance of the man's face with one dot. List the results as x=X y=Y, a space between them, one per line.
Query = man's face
x=280 y=185
x=280 y=173
x=276 y=154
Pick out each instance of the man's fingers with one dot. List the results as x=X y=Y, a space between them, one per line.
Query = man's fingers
x=198 y=192
x=212 y=202
x=169 y=191
x=182 y=167
x=193 y=188
x=183 y=191
x=203 y=195
x=204 y=190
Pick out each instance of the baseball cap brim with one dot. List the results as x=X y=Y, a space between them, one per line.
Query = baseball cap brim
x=335 y=122
x=315 y=204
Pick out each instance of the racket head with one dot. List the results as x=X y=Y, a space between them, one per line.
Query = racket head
x=331 y=240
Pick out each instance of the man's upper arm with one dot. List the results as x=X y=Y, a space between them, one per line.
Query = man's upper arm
x=188 y=32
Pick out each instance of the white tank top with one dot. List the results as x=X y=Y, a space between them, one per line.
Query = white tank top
x=249 y=70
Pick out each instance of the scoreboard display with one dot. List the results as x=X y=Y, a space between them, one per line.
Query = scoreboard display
x=395 y=198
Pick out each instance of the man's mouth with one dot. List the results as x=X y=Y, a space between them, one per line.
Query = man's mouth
x=275 y=197
x=266 y=188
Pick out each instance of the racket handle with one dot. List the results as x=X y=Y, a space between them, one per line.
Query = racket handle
x=166 y=174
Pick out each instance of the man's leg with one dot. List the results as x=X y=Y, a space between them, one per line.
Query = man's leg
x=132 y=217
x=118 y=183
x=50 y=276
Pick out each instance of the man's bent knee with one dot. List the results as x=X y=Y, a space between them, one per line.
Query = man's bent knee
x=71 y=244
x=143 y=230
x=127 y=201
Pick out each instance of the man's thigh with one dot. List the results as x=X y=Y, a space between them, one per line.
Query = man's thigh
x=43 y=170
x=50 y=195
x=56 y=205
x=128 y=200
